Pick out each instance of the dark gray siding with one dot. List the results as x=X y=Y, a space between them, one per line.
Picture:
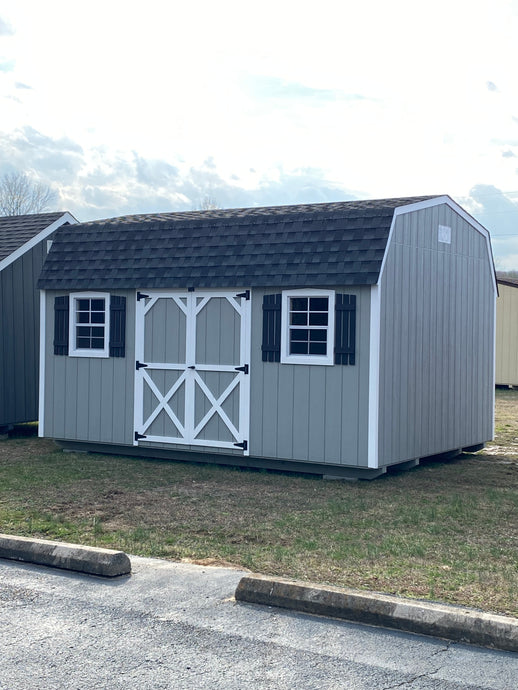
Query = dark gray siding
x=311 y=413
x=437 y=338
x=19 y=337
x=88 y=398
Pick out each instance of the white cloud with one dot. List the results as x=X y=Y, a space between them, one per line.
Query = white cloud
x=5 y=28
x=165 y=102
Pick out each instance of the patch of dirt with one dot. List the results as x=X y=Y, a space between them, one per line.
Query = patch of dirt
x=510 y=451
x=215 y=562
x=22 y=449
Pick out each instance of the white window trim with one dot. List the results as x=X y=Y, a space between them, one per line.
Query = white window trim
x=328 y=358
x=82 y=352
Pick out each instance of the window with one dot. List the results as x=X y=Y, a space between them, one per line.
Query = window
x=89 y=320
x=307 y=333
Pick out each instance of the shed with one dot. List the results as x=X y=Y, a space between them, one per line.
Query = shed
x=336 y=338
x=506 y=367
x=23 y=247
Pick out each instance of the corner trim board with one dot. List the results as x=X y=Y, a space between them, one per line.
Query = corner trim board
x=494 y=367
x=41 y=392
x=374 y=379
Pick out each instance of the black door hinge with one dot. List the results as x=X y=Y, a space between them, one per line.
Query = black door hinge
x=141 y=295
x=139 y=436
x=243 y=445
x=139 y=365
x=244 y=368
x=244 y=295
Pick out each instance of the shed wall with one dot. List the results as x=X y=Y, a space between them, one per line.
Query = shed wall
x=89 y=398
x=311 y=413
x=298 y=412
x=437 y=303
x=507 y=336
x=19 y=337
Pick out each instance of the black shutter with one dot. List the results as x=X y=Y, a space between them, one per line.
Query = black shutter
x=61 y=319
x=345 y=329
x=117 y=326
x=271 y=347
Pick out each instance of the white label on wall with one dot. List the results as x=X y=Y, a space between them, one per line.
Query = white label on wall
x=445 y=234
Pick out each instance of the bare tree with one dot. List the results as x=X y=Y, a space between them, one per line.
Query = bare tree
x=208 y=203
x=20 y=195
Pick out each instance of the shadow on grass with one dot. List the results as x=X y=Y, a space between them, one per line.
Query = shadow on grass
x=23 y=430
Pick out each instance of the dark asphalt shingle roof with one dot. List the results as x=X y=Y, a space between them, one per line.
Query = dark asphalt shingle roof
x=340 y=243
x=15 y=231
x=510 y=282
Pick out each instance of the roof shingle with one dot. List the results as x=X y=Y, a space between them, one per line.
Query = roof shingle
x=340 y=243
x=15 y=231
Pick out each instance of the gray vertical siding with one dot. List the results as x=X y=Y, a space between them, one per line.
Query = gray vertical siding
x=298 y=412
x=19 y=337
x=225 y=348
x=311 y=413
x=437 y=338
x=89 y=399
x=165 y=316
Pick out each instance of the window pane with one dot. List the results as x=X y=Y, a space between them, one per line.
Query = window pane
x=97 y=305
x=97 y=317
x=98 y=331
x=317 y=349
x=83 y=305
x=318 y=335
x=299 y=319
x=319 y=304
x=299 y=334
x=83 y=317
x=83 y=343
x=318 y=319
x=298 y=303
x=298 y=349
x=97 y=343
x=83 y=331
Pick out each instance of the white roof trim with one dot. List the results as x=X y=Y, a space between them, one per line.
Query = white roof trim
x=43 y=234
x=437 y=201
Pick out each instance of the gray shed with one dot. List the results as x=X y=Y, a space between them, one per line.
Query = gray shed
x=338 y=338
x=23 y=248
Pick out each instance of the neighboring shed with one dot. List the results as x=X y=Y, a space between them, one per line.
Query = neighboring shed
x=506 y=369
x=336 y=338
x=23 y=248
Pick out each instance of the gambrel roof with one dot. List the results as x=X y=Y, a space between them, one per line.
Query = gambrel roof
x=340 y=243
x=19 y=232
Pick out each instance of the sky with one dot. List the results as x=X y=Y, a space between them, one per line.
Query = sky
x=127 y=107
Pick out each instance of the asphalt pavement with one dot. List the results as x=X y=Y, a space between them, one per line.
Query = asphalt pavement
x=177 y=625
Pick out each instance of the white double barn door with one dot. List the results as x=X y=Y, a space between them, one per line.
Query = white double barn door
x=192 y=385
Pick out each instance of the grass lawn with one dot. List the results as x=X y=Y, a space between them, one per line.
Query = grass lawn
x=445 y=531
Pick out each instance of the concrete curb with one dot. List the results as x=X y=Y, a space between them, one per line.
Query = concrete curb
x=84 y=559
x=438 y=620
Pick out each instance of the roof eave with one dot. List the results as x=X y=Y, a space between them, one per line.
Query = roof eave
x=66 y=217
